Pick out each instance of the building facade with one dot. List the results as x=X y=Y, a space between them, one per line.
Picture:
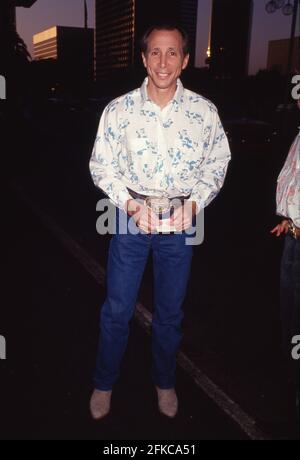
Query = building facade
x=230 y=35
x=278 y=54
x=121 y=23
x=114 y=35
x=72 y=49
x=45 y=44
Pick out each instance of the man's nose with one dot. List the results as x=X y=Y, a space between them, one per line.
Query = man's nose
x=163 y=60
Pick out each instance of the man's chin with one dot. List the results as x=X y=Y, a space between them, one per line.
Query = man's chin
x=165 y=83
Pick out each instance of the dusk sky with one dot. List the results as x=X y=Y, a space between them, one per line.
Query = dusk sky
x=47 y=13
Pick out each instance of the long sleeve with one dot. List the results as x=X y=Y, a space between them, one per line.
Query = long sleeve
x=181 y=149
x=211 y=174
x=288 y=185
x=104 y=164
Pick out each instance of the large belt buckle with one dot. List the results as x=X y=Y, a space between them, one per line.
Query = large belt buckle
x=162 y=207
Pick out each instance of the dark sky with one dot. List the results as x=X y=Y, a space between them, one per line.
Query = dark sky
x=47 y=13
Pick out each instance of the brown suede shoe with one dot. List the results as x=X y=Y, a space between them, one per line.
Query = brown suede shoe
x=167 y=401
x=100 y=404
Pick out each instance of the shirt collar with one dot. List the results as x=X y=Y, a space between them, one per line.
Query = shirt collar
x=176 y=100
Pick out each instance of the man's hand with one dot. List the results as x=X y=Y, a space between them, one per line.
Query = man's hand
x=143 y=216
x=183 y=216
x=283 y=227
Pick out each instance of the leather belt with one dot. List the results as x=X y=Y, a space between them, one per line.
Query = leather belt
x=139 y=196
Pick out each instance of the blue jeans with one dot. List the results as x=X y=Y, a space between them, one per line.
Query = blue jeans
x=290 y=291
x=128 y=254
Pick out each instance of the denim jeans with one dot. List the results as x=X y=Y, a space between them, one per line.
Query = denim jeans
x=290 y=291
x=128 y=254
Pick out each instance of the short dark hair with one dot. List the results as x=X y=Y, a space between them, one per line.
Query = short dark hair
x=165 y=26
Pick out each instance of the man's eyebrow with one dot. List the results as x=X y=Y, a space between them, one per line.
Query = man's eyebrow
x=157 y=48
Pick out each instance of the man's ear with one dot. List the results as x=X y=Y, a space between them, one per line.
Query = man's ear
x=185 y=61
x=144 y=60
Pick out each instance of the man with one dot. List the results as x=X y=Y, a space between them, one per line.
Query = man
x=163 y=141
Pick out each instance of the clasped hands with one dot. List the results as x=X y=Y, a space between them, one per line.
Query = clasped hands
x=149 y=222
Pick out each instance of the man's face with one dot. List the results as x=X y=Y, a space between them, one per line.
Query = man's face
x=164 y=59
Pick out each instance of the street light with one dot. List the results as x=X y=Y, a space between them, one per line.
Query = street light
x=286 y=7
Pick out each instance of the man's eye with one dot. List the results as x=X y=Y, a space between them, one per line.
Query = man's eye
x=154 y=53
x=172 y=53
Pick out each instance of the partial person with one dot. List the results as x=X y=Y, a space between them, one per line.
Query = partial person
x=288 y=207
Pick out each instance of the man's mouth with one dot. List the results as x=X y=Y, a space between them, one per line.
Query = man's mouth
x=162 y=75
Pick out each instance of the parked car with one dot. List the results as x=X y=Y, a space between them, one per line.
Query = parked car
x=248 y=133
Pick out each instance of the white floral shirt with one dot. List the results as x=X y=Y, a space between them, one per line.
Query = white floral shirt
x=181 y=149
x=288 y=185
